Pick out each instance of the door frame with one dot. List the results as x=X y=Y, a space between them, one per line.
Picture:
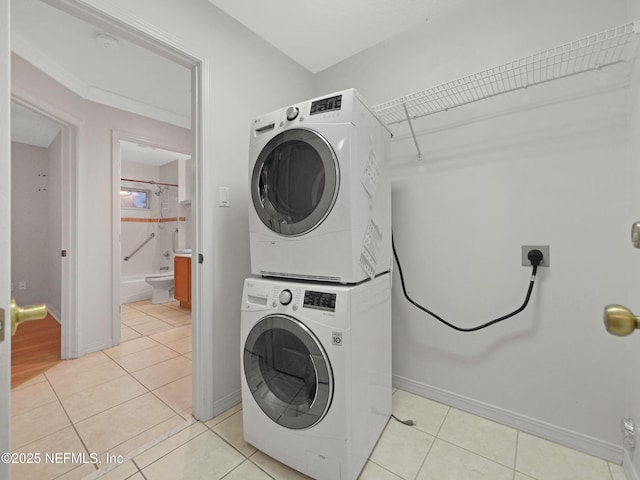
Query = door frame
x=5 y=231
x=116 y=224
x=70 y=133
x=147 y=35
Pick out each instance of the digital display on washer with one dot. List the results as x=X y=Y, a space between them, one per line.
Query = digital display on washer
x=320 y=300
x=326 y=105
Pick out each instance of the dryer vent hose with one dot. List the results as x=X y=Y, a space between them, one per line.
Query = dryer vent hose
x=535 y=257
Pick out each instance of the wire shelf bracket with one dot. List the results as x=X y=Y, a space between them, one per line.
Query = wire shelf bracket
x=592 y=52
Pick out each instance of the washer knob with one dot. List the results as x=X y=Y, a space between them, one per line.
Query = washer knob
x=285 y=297
x=292 y=113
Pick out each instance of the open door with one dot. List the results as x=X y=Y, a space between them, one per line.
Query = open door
x=621 y=319
x=5 y=234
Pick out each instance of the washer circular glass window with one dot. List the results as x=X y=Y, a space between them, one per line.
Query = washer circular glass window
x=295 y=181
x=288 y=372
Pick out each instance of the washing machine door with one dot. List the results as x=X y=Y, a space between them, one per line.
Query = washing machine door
x=288 y=372
x=295 y=181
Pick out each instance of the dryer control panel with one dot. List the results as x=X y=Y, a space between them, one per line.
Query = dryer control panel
x=326 y=105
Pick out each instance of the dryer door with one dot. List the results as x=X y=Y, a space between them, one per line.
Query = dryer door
x=295 y=181
x=288 y=372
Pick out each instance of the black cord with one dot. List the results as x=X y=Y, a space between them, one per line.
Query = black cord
x=455 y=327
x=405 y=422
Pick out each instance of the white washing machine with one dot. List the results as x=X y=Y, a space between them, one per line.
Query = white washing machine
x=321 y=196
x=316 y=372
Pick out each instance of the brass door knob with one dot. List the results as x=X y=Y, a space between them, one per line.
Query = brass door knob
x=25 y=314
x=619 y=320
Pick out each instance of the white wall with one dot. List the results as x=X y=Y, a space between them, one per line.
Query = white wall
x=548 y=165
x=30 y=201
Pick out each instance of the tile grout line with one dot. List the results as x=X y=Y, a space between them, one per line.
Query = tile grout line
x=386 y=469
x=70 y=421
x=435 y=437
x=137 y=451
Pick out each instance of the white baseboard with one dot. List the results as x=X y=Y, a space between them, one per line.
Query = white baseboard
x=577 y=441
x=55 y=313
x=95 y=347
x=225 y=403
x=629 y=468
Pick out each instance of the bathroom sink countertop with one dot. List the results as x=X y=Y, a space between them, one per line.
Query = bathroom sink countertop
x=187 y=255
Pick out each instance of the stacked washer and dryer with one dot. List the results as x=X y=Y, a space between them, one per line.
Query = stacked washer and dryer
x=316 y=315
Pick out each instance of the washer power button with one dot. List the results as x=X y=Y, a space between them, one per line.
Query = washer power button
x=285 y=297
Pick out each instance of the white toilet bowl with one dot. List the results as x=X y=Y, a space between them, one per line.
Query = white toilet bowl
x=162 y=284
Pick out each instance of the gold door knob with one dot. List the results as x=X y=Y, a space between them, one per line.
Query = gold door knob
x=619 y=320
x=25 y=314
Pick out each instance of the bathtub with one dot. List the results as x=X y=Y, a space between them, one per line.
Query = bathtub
x=133 y=288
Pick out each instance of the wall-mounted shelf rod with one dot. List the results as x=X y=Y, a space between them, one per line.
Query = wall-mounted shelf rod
x=126 y=259
x=589 y=53
x=413 y=133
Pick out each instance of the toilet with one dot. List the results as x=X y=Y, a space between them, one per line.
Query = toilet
x=162 y=284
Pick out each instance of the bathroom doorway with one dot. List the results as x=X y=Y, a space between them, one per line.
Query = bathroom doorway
x=155 y=232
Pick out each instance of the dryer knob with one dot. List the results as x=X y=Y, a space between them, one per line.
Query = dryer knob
x=285 y=297
x=292 y=113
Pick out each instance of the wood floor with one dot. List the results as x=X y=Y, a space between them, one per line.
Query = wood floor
x=35 y=348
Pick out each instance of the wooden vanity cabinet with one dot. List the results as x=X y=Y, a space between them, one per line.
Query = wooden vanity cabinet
x=182 y=281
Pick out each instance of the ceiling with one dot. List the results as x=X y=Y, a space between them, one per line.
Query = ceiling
x=314 y=33
x=32 y=128
x=320 y=33
x=121 y=74
x=148 y=155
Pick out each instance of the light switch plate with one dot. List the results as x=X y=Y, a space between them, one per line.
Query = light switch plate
x=224 y=200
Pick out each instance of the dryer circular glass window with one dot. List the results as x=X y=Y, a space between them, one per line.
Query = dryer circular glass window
x=288 y=372
x=295 y=181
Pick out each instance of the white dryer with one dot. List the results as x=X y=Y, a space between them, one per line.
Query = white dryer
x=321 y=196
x=316 y=372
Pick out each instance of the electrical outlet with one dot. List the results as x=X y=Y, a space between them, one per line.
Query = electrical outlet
x=546 y=259
x=22 y=285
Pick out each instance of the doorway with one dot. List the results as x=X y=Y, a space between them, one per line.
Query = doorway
x=43 y=216
x=36 y=238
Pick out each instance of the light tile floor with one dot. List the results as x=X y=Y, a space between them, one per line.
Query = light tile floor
x=114 y=401
x=134 y=400
x=445 y=444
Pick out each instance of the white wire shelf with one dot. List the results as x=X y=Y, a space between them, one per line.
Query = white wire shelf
x=589 y=53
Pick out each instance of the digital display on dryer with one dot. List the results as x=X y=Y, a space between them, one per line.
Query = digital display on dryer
x=326 y=105
x=320 y=300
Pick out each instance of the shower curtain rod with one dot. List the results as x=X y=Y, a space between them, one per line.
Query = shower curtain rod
x=148 y=181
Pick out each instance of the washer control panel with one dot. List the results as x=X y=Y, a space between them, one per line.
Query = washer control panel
x=287 y=297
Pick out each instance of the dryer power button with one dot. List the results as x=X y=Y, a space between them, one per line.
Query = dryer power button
x=285 y=297
x=292 y=113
